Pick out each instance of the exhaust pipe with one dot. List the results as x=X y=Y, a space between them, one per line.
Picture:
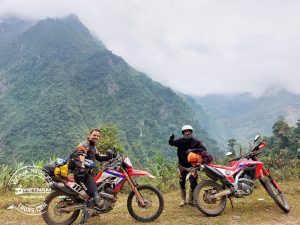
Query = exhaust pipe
x=221 y=194
x=71 y=208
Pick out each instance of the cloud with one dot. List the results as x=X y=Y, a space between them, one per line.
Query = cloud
x=196 y=47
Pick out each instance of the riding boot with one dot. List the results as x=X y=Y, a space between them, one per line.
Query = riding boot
x=86 y=214
x=98 y=200
x=183 y=198
x=191 y=198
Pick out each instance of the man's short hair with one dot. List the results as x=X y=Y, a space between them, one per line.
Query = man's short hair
x=95 y=129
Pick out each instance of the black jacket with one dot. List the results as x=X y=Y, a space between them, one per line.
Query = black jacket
x=183 y=145
x=89 y=151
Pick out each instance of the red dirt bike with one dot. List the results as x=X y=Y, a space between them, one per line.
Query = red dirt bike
x=145 y=203
x=210 y=196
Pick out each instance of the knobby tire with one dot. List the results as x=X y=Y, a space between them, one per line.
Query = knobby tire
x=276 y=194
x=47 y=217
x=131 y=199
x=209 y=212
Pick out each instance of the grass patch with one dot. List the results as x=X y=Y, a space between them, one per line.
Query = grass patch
x=246 y=210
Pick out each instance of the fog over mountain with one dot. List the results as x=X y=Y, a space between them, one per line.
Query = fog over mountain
x=223 y=116
x=57 y=81
x=243 y=116
x=195 y=47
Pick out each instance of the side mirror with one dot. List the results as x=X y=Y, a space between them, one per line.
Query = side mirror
x=229 y=154
x=256 y=138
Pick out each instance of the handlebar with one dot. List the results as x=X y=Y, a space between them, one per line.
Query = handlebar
x=115 y=161
x=247 y=155
x=255 y=151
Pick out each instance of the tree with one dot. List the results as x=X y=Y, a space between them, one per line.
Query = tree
x=231 y=143
x=280 y=128
x=110 y=138
x=297 y=130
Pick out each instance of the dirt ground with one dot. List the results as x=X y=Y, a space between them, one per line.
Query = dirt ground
x=256 y=209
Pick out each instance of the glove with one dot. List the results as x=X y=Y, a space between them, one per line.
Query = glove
x=207 y=158
x=172 y=137
x=89 y=164
x=110 y=154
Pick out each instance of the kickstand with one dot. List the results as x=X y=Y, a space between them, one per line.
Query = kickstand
x=231 y=203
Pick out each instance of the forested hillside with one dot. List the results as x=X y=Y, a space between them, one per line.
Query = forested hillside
x=285 y=141
x=57 y=81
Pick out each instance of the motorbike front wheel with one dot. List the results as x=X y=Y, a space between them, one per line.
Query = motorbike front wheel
x=202 y=198
x=154 y=204
x=53 y=213
x=276 y=194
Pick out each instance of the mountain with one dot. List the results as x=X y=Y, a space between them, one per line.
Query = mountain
x=242 y=116
x=57 y=81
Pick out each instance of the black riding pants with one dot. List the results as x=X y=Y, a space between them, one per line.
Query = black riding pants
x=182 y=177
x=89 y=183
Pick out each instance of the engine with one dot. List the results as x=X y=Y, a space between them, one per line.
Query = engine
x=108 y=197
x=109 y=201
x=245 y=185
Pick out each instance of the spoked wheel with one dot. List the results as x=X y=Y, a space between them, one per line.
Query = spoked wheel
x=55 y=214
x=276 y=194
x=203 y=198
x=153 y=207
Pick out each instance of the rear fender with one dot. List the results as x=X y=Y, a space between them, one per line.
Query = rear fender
x=140 y=173
x=213 y=173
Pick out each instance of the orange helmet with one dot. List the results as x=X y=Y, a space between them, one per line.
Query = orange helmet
x=194 y=158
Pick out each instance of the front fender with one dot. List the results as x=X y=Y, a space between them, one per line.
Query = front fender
x=140 y=173
x=259 y=171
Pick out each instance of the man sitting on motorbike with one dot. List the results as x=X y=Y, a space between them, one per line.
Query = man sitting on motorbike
x=84 y=158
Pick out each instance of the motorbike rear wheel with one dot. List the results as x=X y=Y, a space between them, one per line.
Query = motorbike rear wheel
x=154 y=204
x=206 y=205
x=276 y=194
x=53 y=215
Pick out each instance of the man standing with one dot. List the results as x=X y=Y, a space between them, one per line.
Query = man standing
x=85 y=157
x=184 y=144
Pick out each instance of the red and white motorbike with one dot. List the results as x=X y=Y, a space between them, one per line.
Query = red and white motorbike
x=210 y=196
x=145 y=203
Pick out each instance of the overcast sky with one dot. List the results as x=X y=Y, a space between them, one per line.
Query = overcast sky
x=197 y=47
